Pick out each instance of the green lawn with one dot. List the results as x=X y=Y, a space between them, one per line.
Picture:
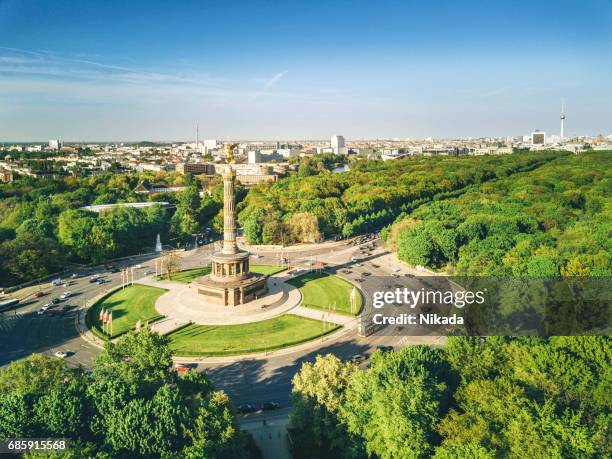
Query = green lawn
x=188 y=276
x=128 y=305
x=320 y=291
x=267 y=270
x=276 y=333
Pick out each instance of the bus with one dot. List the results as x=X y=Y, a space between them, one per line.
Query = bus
x=8 y=304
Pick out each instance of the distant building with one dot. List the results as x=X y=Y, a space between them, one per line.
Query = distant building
x=253 y=156
x=196 y=168
x=210 y=144
x=56 y=144
x=538 y=137
x=158 y=188
x=6 y=175
x=141 y=167
x=100 y=208
x=338 y=145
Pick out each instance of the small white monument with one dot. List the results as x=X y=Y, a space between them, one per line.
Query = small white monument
x=158 y=244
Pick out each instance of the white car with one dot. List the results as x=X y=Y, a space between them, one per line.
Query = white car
x=65 y=295
x=46 y=306
x=138 y=266
x=353 y=259
x=56 y=282
x=40 y=312
x=61 y=354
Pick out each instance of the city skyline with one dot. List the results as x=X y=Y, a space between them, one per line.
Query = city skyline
x=394 y=70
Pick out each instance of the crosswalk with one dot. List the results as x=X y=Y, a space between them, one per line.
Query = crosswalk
x=8 y=321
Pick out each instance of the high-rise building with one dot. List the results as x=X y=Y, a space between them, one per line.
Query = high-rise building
x=253 y=156
x=538 y=137
x=338 y=144
x=56 y=144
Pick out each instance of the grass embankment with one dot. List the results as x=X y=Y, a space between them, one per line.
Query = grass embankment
x=189 y=275
x=128 y=306
x=275 y=333
x=323 y=291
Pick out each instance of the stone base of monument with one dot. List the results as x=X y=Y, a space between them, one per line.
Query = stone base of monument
x=230 y=283
x=230 y=292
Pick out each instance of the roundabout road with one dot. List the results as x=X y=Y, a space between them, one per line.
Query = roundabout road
x=246 y=380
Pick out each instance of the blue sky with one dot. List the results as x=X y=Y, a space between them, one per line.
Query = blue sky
x=85 y=70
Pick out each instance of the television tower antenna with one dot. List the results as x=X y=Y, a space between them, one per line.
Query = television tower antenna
x=562 y=118
x=198 y=138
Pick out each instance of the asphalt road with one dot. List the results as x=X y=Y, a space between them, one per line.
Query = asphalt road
x=248 y=380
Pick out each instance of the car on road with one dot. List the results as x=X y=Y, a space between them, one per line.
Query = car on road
x=55 y=300
x=74 y=276
x=56 y=282
x=138 y=266
x=366 y=274
x=100 y=281
x=148 y=272
x=184 y=366
x=383 y=348
x=270 y=406
x=65 y=295
x=61 y=354
x=247 y=408
x=358 y=358
x=115 y=270
x=39 y=294
x=46 y=306
x=41 y=311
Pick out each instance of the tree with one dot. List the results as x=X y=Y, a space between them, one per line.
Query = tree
x=305 y=227
x=396 y=405
x=34 y=375
x=319 y=391
x=171 y=262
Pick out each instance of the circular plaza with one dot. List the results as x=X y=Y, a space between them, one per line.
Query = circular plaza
x=298 y=307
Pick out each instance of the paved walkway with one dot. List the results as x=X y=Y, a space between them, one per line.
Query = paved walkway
x=318 y=314
x=181 y=305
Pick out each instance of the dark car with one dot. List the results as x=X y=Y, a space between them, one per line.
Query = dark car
x=55 y=300
x=39 y=294
x=383 y=348
x=115 y=270
x=269 y=406
x=244 y=409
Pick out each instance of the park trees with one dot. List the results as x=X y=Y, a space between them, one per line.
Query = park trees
x=476 y=397
x=132 y=405
x=319 y=391
x=527 y=225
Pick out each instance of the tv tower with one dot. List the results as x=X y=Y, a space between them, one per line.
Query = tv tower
x=562 y=118
x=198 y=137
